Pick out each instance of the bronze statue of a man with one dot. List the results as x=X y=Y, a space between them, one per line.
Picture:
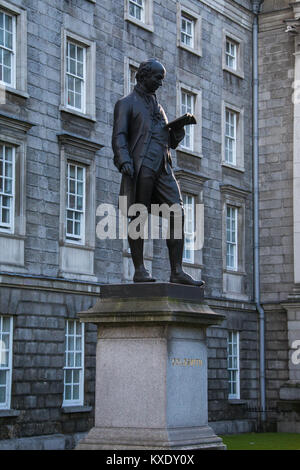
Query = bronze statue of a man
x=141 y=143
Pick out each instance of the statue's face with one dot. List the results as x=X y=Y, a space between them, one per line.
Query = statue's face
x=155 y=79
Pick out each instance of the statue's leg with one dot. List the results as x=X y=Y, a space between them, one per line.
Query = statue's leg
x=137 y=254
x=143 y=196
x=175 y=247
x=167 y=191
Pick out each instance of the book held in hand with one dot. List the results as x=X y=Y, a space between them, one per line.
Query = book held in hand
x=184 y=120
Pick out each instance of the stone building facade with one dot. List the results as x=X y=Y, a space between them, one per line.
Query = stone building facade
x=279 y=205
x=64 y=65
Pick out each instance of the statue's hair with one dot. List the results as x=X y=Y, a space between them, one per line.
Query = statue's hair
x=145 y=69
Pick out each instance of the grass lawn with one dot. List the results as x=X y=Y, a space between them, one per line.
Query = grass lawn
x=262 y=441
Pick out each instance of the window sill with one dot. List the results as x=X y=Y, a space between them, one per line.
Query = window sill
x=232 y=271
x=236 y=401
x=88 y=117
x=76 y=409
x=237 y=73
x=188 y=264
x=9 y=413
x=14 y=91
x=233 y=167
x=141 y=24
x=190 y=49
x=189 y=152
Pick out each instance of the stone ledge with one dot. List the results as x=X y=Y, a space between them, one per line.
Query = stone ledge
x=9 y=413
x=201 y=437
x=152 y=290
x=76 y=409
x=149 y=303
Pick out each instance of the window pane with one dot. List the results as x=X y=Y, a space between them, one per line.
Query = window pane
x=76 y=392
x=3 y=377
x=6 y=325
x=78 y=101
x=2 y=394
x=68 y=376
x=68 y=392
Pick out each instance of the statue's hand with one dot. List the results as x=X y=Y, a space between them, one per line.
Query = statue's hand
x=127 y=169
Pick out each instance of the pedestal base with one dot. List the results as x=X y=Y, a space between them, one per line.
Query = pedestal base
x=151 y=369
x=201 y=438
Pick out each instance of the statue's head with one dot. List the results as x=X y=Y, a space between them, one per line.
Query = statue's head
x=151 y=74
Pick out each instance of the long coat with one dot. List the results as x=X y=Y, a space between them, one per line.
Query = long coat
x=132 y=131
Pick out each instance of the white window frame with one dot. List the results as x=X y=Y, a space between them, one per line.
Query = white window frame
x=82 y=79
x=146 y=22
x=233 y=370
x=229 y=239
x=129 y=64
x=185 y=108
x=184 y=12
x=9 y=228
x=185 y=36
x=231 y=37
x=12 y=51
x=189 y=201
x=72 y=368
x=231 y=54
x=71 y=237
x=230 y=135
x=238 y=138
x=19 y=82
x=8 y=368
x=137 y=7
x=88 y=108
x=195 y=130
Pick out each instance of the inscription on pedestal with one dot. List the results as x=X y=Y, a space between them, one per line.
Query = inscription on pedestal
x=186 y=362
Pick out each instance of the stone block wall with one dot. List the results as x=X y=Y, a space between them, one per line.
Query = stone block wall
x=38 y=296
x=276 y=68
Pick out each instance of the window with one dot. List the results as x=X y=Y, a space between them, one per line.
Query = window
x=7 y=183
x=7 y=49
x=231 y=237
x=77 y=222
x=13 y=48
x=13 y=137
x=75 y=76
x=230 y=136
x=74 y=364
x=233 y=54
x=188 y=29
x=78 y=94
x=233 y=365
x=130 y=69
x=137 y=9
x=189 y=100
x=233 y=136
x=75 y=206
x=188 y=106
x=189 y=228
x=236 y=210
x=132 y=79
x=139 y=12
x=6 y=334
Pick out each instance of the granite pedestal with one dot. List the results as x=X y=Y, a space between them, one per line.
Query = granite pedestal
x=151 y=368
